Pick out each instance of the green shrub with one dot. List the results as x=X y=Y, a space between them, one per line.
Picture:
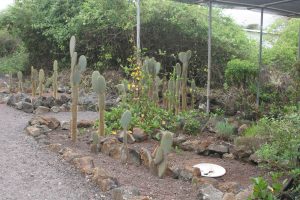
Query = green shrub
x=192 y=121
x=225 y=129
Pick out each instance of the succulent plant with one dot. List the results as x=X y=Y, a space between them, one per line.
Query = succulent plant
x=34 y=80
x=95 y=144
x=20 y=81
x=10 y=82
x=158 y=163
x=171 y=95
x=125 y=121
x=41 y=82
x=77 y=67
x=165 y=92
x=99 y=87
x=178 y=72
x=54 y=79
x=193 y=92
x=122 y=91
x=184 y=57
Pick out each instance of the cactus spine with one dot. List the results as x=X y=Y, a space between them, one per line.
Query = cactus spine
x=20 y=82
x=177 y=88
x=10 y=82
x=77 y=67
x=125 y=121
x=41 y=81
x=54 y=79
x=184 y=57
x=34 y=80
x=193 y=92
x=99 y=86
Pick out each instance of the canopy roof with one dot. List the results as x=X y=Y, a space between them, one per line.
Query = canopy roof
x=289 y=8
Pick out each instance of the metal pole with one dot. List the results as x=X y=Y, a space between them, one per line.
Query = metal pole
x=138 y=31
x=260 y=56
x=209 y=55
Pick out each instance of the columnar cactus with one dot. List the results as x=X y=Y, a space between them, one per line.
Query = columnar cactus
x=171 y=94
x=158 y=164
x=122 y=91
x=41 y=82
x=125 y=121
x=99 y=86
x=177 y=87
x=77 y=67
x=34 y=80
x=158 y=82
x=184 y=57
x=10 y=82
x=95 y=144
x=165 y=92
x=151 y=68
x=20 y=81
x=54 y=79
x=193 y=92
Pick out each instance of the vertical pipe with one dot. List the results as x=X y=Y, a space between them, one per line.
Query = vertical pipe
x=209 y=55
x=260 y=56
x=138 y=31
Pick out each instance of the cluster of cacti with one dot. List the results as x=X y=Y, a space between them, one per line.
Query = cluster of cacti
x=54 y=79
x=193 y=93
x=184 y=57
x=125 y=121
x=77 y=67
x=95 y=144
x=99 y=86
x=34 y=80
x=158 y=162
x=10 y=82
x=20 y=81
x=41 y=82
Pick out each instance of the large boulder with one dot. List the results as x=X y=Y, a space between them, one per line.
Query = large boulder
x=50 y=122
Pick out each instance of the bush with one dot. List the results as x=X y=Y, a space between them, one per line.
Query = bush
x=225 y=129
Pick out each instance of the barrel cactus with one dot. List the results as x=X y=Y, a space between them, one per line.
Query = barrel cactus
x=77 y=67
x=184 y=57
x=99 y=87
x=20 y=81
x=125 y=121
x=34 y=80
x=54 y=79
x=41 y=82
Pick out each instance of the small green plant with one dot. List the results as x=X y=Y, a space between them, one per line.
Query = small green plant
x=20 y=82
x=125 y=121
x=225 y=129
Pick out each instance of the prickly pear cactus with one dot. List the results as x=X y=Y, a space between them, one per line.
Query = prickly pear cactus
x=99 y=87
x=125 y=121
x=41 y=82
x=20 y=81
x=54 y=78
x=184 y=57
x=77 y=67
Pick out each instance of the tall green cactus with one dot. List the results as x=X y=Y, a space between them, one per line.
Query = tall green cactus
x=178 y=72
x=20 y=81
x=193 y=92
x=125 y=121
x=151 y=69
x=184 y=57
x=122 y=91
x=99 y=86
x=165 y=92
x=171 y=95
x=41 y=82
x=10 y=82
x=54 y=79
x=34 y=80
x=159 y=163
x=77 y=67
x=95 y=144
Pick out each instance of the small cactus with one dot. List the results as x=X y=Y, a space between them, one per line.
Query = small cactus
x=41 y=81
x=34 y=80
x=77 y=67
x=20 y=81
x=125 y=121
x=184 y=57
x=54 y=79
x=99 y=86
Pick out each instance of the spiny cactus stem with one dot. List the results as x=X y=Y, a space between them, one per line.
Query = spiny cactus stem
x=74 y=112
x=101 y=103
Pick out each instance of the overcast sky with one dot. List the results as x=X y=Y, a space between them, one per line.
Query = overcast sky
x=242 y=17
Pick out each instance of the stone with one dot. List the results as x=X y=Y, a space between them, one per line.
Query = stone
x=61 y=90
x=229 y=156
x=144 y=157
x=19 y=105
x=38 y=102
x=68 y=154
x=173 y=171
x=255 y=158
x=125 y=192
x=11 y=100
x=209 y=192
x=134 y=157
x=198 y=181
x=34 y=131
x=231 y=187
x=244 y=194
x=64 y=99
x=241 y=152
x=242 y=129
x=190 y=145
x=50 y=122
x=85 y=124
x=55 y=109
x=41 y=110
x=130 y=138
x=218 y=148
x=104 y=180
x=186 y=174
x=110 y=144
x=49 y=102
x=229 y=196
x=65 y=125
x=181 y=138
x=55 y=147
x=64 y=108
x=27 y=107
x=84 y=164
x=139 y=134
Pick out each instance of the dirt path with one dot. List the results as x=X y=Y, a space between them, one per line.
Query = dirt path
x=26 y=172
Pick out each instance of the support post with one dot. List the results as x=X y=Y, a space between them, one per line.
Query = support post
x=138 y=32
x=209 y=56
x=260 y=56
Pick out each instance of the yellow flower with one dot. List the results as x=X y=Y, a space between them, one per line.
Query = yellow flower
x=114 y=132
x=163 y=122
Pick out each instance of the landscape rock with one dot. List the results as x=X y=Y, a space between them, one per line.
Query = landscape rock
x=55 y=109
x=134 y=157
x=19 y=105
x=50 y=122
x=41 y=110
x=218 y=148
x=34 y=131
x=65 y=125
x=27 y=107
x=242 y=152
x=85 y=164
x=130 y=138
x=49 y=102
x=104 y=180
x=199 y=181
x=139 y=134
x=110 y=146
x=85 y=124
x=231 y=187
x=181 y=138
x=255 y=158
x=229 y=196
x=69 y=155
x=209 y=192
x=228 y=156
x=55 y=147
x=11 y=100
x=125 y=193
x=244 y=194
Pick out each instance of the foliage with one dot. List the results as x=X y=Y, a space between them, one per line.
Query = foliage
x=192 y=121
x=240 y=72
x=225 y=129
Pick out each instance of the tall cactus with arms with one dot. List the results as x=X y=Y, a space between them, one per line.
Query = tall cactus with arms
x=99 y=86
x=77 y=67
x=54 y=79
x=184 y=57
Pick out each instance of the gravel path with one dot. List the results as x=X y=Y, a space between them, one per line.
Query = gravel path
x=29 y=173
